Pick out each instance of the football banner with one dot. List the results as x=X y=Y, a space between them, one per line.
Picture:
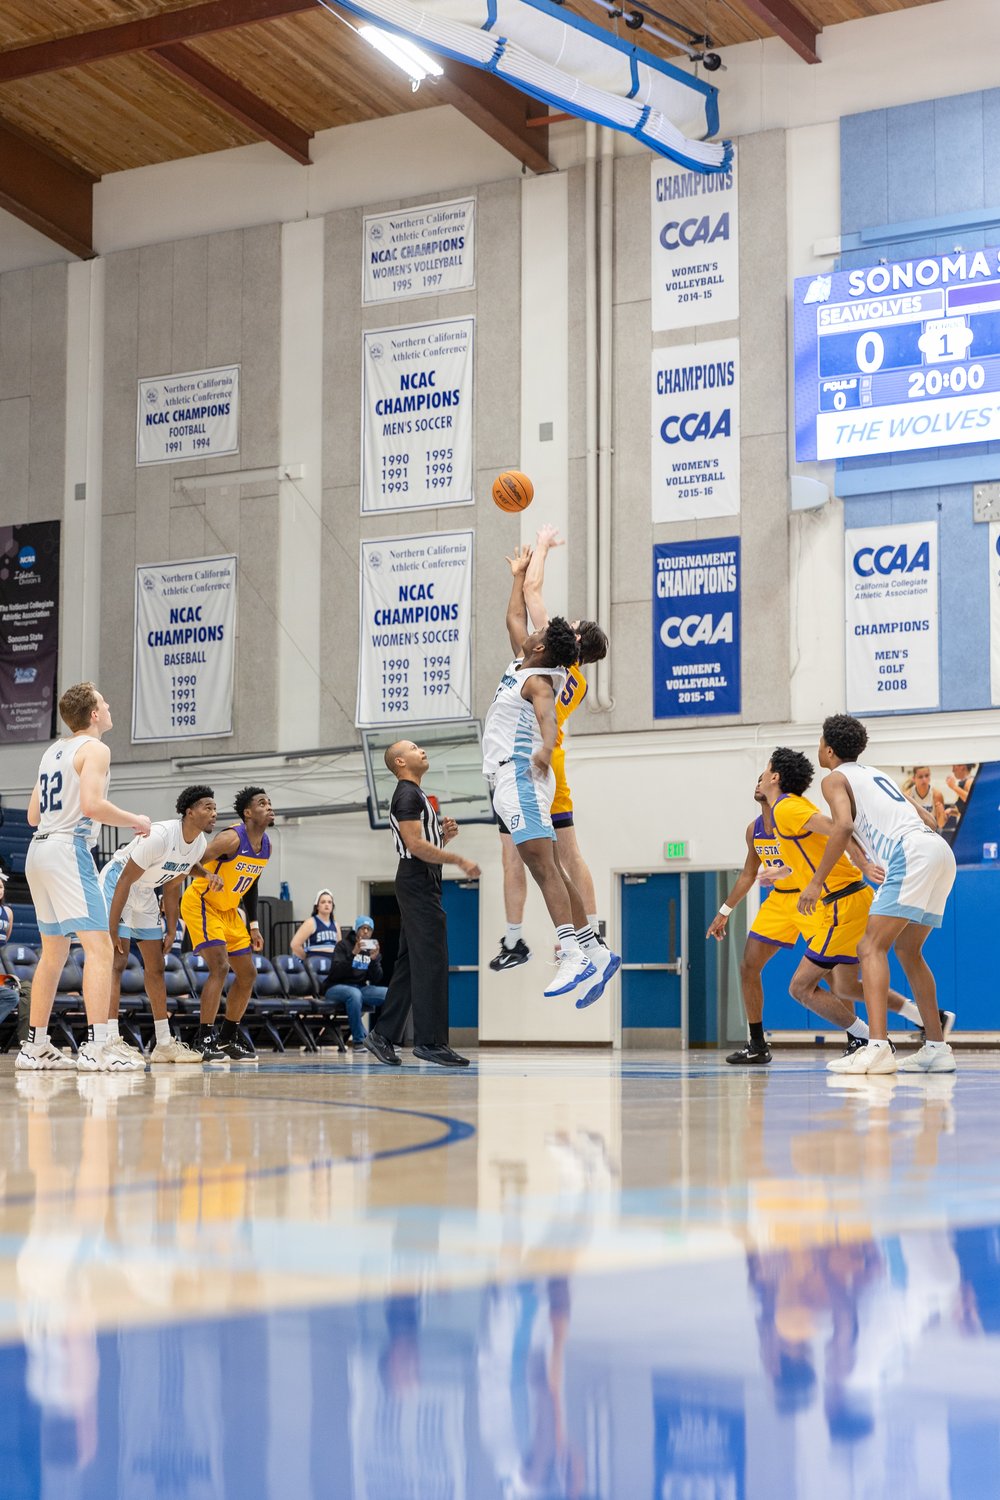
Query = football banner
x=185 y=650
x=891 y=607
x=196 y=415
x=29 y=631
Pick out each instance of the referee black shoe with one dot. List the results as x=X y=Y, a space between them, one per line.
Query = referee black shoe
x=382 y=1049
x=750 y=1056
x=510 y=958
x=443 y=1056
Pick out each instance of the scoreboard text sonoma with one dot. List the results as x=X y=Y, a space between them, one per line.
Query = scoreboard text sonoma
x=898 y=357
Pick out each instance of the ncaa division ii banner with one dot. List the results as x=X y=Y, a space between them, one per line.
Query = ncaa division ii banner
x=415 y=657
x=696 y=628
x=696 y=431
x=891 y=580
x=188 y=416
x=695 y=257
x=29 y=631
x=419 y=252
x=185 y=649
x=416 y=416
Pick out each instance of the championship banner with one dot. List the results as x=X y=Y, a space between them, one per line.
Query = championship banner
x=891 y=575
x=419 y=252
x=185 y=649
x=696 y=628
x=188 y=416
x=29 y=631
x=995 y=612
x=696 y=431
x=415 y=658
x=695 y=256
x=416 y=416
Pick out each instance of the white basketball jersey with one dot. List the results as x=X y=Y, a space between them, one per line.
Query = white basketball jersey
x=883 y=815
x=511 y=728
x=59 y=792
x=163 y=855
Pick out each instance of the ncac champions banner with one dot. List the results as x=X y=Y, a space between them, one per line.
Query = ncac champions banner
x=695 y=458
x=415 y=657
x=419 y=252
x=416 y=416
x=696 y=628
x=695 y=257
x=185 y=650
x=29 y=631
x=196 y=415
x=891 y=581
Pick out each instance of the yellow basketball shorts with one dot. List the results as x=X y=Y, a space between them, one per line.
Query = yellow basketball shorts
x=832 y=933
x=562 y=803
x=212 y=926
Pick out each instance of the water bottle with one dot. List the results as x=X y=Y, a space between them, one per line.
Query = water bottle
x=285 y=893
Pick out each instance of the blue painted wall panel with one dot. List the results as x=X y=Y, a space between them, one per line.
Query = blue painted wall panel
x=910 y=136
x=958 y=153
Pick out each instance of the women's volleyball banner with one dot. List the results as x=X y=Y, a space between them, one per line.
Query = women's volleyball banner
x=416 y=417
x=419 y=252
x=185 y=650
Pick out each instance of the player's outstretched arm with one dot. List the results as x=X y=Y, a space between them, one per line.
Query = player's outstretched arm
x=838 y=797
x=744 y=881
x=547 y=538
x=538 y=691
x=517 y=613
x=856 y=852
x=92 y=762
x=223 y=846
x=422 y=848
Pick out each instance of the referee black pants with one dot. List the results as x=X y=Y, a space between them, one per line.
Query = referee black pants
x=420 y=976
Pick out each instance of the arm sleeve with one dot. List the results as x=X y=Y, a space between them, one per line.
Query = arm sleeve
x=250 y=903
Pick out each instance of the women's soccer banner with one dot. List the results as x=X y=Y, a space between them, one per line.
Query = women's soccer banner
x=185 y=650
x=29 y=631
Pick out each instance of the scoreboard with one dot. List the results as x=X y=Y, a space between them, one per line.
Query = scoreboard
x=898 y=357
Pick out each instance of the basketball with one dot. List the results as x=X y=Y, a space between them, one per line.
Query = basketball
x=513 y=490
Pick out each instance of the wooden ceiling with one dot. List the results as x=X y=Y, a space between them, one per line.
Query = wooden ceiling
x=89 y=87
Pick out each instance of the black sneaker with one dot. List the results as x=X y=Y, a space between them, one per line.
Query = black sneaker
x=240 y=1049
x=750 y=1056
x=853 y=1043
x=382 y=1049
x=207 y=1043
x=947 y=1019
x=443 y=1056
x=510 y=958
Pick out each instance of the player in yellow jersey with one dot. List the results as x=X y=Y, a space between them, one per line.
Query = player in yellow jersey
x=784 y=846
x=239 y=856
x=593 y=647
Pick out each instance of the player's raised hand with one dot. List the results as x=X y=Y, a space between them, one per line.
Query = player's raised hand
x=548 y=536
x=140 y=825
x=521 y=558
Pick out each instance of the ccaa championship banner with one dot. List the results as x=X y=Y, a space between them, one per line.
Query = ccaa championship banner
x=185 y=648
x=696 y=628
x=416 y=417
x=696 y=431
x=419 y=252
x=415 y=661
x=29 y=631
x=188 y=416
x=891 y=575
x=695 y=259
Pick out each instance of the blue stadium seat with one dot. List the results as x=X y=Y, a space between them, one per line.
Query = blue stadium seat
x=20 y=959
x=280 y=1017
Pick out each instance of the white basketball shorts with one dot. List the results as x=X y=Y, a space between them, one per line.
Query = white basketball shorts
x=140 y=918
x=918 y=879
x=522 y=799
x=65 y=891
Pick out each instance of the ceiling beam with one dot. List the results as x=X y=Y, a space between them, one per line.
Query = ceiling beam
x=787 y=21
x=500 y=110
x=140 y=36
x=233 y=97
x=46 y=191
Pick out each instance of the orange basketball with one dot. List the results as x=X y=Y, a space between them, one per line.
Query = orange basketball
x=513 y=490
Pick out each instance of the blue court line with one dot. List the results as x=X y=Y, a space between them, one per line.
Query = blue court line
x=454 y=1131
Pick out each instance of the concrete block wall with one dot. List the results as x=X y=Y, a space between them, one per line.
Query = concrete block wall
x=32 y=394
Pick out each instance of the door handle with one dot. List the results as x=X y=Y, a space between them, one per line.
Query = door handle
x=674 y=968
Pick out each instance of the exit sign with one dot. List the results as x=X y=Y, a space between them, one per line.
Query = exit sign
x=676 y=849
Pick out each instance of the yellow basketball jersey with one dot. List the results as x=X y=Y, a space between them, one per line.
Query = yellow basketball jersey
x=238 y=871
x=771 y=850
x=569 y=700
x=804 y=850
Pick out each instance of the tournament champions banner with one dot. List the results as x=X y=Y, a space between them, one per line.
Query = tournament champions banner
x=891 y=576
x=29 y=631
x=696 y=431
x=415 y=658
x=185 y=649
x=696 y=628
x=695 y=259
x=188 y=416
x=419 y=252
x=416 y=416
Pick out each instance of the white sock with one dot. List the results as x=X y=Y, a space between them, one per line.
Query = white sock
x=935 y=1044
x=567 y=941
x=593 y=921
x=880 y=1042
x=586 y=938
x=162 y=1029
x=114 y=1030
x=909 y=1012
x=512 y=935
x=39 y=1036
x=100 y=1033
x=858 y=1028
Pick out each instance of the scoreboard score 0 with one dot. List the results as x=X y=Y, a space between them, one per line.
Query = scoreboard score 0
x=898 y=357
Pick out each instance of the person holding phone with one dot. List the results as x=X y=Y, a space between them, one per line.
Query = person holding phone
x=356 y=975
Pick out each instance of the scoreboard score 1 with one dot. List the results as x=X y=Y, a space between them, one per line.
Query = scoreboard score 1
x=894 y=358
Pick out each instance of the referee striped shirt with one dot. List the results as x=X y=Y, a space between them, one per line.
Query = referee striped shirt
x=410 y=805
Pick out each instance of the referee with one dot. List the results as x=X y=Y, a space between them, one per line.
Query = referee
x=420 y=976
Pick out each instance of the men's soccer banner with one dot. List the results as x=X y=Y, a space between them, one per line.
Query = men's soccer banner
x=29 y=631
x=416 y=417
x=415 y=657
x=891 y=607
x=696 y=628
x=185 y=650
x=695 y=257
x=196 y=415
x=696 y=431
x=419 y=252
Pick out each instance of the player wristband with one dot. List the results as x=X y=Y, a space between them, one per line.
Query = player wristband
x=725 y=911
x=255 y=924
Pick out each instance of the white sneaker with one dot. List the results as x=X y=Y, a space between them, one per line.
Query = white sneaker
x=874 y=1057
x=38 y=1055
x=174 y=1051
x=113 y=1057
x=129 y=1056
x=930 y=1059
x=606 y=965
x=573 y=969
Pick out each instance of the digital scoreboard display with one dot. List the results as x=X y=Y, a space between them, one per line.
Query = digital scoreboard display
x=898 y=357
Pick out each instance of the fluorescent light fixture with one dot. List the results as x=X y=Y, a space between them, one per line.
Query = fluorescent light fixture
x=402 y=52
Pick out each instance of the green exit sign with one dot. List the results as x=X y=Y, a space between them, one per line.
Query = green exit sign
x=676 y=849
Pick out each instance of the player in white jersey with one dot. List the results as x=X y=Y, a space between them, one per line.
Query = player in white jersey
x=67 y=807
x=919 y=874
x=173 y=850
x=519 y=736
